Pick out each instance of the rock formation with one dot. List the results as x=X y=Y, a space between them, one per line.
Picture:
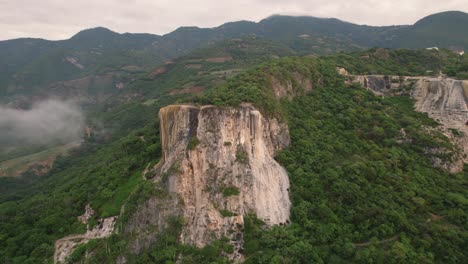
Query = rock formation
x=288 y=89
x=218 y=166
x=443 y=99
x=65 y=246
x=384 y=84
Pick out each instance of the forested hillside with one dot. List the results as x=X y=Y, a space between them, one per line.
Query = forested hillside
x=361 y=191
x=188 y=75
x=108 y=59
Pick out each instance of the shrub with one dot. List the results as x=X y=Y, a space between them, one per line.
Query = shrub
x=230 y=191
x=193 y=143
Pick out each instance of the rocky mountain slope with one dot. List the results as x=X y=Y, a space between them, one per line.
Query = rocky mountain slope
x=359 y=188
x=443 y=99
x=218 y=166
x=187 y=76
x=103 y=228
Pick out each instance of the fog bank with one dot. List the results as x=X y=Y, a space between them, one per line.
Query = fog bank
x=46 y=122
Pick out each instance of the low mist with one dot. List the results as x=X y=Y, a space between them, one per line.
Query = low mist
x=47 y=122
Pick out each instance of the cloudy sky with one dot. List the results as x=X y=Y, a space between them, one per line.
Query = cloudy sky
x=59 y=19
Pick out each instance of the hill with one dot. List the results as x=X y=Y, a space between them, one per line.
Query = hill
x=445 y=30
x=361 y=189
x=186 y=76
x=100 y=60
x=357 y=193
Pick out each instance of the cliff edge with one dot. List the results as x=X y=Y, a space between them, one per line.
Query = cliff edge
x=218 y=166
x=443 y=99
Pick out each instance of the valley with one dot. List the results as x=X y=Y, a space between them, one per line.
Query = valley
x=288 y=140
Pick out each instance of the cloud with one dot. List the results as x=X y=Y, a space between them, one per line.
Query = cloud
x=46 y=122
x=56 y=19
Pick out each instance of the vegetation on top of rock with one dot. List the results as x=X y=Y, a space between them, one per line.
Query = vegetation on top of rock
x=352 y=182
x=401 y=62
x=193 y=143
x=230 y=191
x=358 y=193
x=255 y=86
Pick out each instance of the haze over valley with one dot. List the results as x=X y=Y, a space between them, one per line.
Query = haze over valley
x=296 y=138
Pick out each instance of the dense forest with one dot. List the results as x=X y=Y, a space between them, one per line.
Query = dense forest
x=361 y=190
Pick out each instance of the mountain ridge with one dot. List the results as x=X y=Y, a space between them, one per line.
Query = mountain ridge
x=459 y=14
x=354 y=175
x=29 y=64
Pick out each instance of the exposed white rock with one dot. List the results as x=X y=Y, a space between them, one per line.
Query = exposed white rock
x=89 y=212
x=74 y=62
x=209 y=152
x=65 y=246
x=443 y=99
x=342 y=71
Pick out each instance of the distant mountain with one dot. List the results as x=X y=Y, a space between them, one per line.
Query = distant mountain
x=361 y=178
x=448 y=30
x=29 y=66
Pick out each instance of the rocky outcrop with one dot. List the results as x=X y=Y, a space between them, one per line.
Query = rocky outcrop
x=88 y=214
x=218 y=166
x=443 y=99
x=298 y=85
x=384 y=84
x=64 y=247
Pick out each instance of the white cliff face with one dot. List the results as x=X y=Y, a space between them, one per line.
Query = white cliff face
x=219 y=161
x=64 y=247
x=443 y=99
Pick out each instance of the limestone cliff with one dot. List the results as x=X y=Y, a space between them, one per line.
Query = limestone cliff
x=443 y=99
x=64 y=247
x=218 y=166
x=384 y=84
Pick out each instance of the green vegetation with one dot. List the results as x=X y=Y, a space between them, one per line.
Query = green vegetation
x=193 y=143
x=459 y=69
x=167 y=249
x=358 y=193
x=21 y=164
x=254 y=86
x=104 y=174
x=34 y=64
x=241 y=155
x=444 y=29
x=81 y=250
x=227 y=213
x=456 y=132
x=401 y=62
x=200 y=70
x=230 y=191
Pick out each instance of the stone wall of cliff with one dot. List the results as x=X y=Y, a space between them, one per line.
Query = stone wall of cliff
x=218 y=166
x=443 y=99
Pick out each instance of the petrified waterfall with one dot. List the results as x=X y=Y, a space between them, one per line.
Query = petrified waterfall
x=443 y=99
x=219 y=164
